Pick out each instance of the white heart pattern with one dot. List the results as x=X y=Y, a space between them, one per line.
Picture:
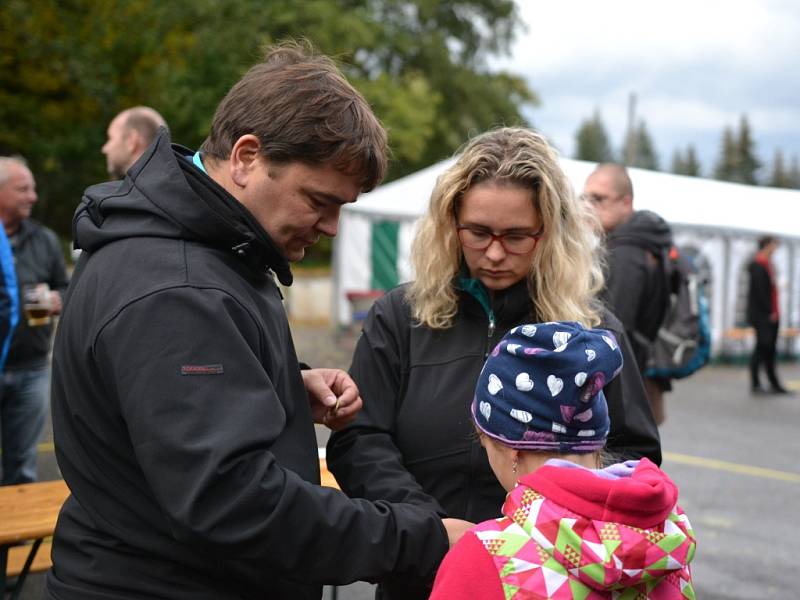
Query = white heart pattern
x=590 y=354
x=555 y=385
x=580 y=379
x=512 y=348
x=586 y=433
x=561 y=348
x=524 y=382
x=486 y=409
x=529 y=330
x=610 y=342
x=560 y=338
x=513 y=330
x=584 y=416
x=495 y=385
x=523 y=416
x=559 y=428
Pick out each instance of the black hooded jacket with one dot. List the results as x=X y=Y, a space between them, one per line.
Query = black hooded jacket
x=181 y=422
x=414 y=441
x=637 y=282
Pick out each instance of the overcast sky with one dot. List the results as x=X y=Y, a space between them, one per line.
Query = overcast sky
x=695 y=67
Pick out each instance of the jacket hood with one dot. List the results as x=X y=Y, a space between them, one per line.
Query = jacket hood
x=611 y=529
x=645 y=229
x=164 y=195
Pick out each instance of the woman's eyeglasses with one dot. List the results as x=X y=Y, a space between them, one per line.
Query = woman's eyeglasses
x=477 y=238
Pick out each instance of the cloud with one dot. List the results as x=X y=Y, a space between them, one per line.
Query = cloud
x=695 y=67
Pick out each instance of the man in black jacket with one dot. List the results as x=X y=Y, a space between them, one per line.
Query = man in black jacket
x=182 y=423
x=41 y=278
x=763 y=314
x=637 y=289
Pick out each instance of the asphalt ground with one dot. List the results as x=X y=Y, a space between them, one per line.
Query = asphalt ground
x=734 y=457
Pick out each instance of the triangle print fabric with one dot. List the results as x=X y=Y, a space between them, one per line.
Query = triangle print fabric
x=543 y=550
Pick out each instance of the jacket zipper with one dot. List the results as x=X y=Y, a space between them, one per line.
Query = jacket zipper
x=489 y=336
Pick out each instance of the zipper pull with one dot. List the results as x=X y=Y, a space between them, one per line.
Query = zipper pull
x=491 y=327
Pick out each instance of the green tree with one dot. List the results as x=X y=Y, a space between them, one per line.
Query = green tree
x=639 y=150
x=727 y=165
x=738 y=161
x=67 y=68
x=794 y=173
x=678 y=162
x=780 y=175
x=686 y=164
x=591 y=141
x=749 y=163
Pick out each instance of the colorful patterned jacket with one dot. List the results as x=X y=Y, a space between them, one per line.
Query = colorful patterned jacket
x=571 y=532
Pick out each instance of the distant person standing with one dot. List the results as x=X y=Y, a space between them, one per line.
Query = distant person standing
x=763 y=314
x=41 y=275
x=637 y=287
x=129 y=135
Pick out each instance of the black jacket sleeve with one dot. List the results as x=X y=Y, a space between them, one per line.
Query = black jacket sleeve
x=364 y=457
x=203 y=444
x=634 y=433
x=626 y=283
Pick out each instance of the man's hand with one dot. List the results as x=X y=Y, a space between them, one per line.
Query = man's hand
x=333 y=396
x=455 y=529
x=54 y=299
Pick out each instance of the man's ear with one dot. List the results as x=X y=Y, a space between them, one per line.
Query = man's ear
x=245 y=158
x=134 y=143
x=627 y=200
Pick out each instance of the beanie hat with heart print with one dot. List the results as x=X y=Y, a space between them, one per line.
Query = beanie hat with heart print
x=542 y=388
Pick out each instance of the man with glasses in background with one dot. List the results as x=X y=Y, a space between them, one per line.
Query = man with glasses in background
x=637 y=287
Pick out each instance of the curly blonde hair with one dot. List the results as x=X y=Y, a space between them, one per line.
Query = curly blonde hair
x=565 y=277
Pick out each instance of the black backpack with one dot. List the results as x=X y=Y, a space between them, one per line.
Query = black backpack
x=683 y=342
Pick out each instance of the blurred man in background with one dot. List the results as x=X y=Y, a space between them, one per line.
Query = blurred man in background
x=129 y=135
x=637 y=287
x=41 y=275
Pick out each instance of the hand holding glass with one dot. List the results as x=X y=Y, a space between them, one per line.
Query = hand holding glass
x=36 y=304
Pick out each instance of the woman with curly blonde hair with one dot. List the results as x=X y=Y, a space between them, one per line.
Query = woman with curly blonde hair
x=505 y=241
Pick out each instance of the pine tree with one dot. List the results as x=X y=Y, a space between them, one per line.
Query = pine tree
x=591 y=141
x=643 y=154
x=794 y=173
x=728 y=163
x=678 y=163
x=692 y=163
x=686 y=164
x=748 y=161
x=779 y=177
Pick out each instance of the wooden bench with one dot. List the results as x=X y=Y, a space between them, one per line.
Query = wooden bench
x=28 y=513
x=326 y=477
x=19 y=554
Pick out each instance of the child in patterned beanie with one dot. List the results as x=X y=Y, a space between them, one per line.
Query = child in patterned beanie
x=569 y=529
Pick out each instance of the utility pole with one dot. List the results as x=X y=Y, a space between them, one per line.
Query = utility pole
x=631 y=142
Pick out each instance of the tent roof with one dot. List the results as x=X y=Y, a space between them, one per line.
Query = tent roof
x=680 y=200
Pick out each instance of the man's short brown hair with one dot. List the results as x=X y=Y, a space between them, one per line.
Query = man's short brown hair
x=301 y=108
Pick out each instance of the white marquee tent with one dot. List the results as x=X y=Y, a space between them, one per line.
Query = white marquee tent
x=721 y=220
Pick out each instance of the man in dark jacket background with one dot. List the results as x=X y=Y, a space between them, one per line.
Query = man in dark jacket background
x=182 y=423
x=637 y=244
x=41 y=278
x=763 y=314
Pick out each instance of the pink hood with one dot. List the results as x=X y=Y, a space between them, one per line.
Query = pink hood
x=610 y=529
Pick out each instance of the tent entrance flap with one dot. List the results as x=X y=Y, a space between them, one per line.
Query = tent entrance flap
x=383 y=255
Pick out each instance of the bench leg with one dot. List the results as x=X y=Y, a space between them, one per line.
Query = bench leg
x=25 y=568
x=3 y=568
